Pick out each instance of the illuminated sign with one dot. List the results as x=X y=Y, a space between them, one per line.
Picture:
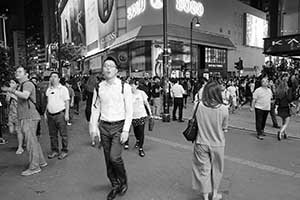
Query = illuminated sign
x=256 y=30
x=190 y=7
x=156 y=4
x=136 y=9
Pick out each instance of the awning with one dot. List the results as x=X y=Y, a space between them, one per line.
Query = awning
x=126 y=38
x=175 y=32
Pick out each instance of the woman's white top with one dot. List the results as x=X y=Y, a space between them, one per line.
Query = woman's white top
x=139 y=109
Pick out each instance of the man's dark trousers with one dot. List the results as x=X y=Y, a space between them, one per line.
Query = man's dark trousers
x=110 y=138
x=57 y=123
x=260 y=120
x=178 y=102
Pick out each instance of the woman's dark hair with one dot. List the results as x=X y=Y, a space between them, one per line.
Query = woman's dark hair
x=281 y=89
x=212 y=95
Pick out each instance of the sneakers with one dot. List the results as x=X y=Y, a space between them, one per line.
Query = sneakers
x=137 y=144
x=126 y=146
x=44 y=165
x=69 y=123
x=52 y=155
x=30 y=172
x=62 y=155
x=141 y=152
x=3 y=141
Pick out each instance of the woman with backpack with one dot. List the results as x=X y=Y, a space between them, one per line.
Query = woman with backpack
x=13 y=122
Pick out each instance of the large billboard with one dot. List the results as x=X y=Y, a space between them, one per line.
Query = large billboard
x=256 y=31
x=73 y=22
x=89 y=22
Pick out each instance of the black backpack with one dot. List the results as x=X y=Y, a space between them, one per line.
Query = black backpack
x=41 y=99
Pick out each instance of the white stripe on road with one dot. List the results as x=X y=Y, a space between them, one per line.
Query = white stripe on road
x=241 y=161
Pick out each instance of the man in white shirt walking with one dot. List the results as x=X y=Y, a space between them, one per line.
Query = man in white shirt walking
x=262 y=103
x=57 y=116
x=177 y=92
x=112 y=101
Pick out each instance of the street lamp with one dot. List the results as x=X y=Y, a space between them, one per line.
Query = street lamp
x=166 y=115
x=3 y=17
x=191 y=45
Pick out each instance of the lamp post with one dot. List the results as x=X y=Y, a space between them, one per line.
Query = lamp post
x=166 y=115
x=191 y=44
x=3 y=17
x=58 y=37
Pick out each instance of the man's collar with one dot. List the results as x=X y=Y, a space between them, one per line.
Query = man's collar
x=58 y=86
x=113 y=82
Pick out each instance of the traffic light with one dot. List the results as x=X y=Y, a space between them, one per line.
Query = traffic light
x=239 y=65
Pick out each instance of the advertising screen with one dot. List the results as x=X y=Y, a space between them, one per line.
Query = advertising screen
x=256 y=30
x=73 y=22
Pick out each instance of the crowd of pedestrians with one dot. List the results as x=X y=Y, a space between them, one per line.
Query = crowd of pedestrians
x=116 y=105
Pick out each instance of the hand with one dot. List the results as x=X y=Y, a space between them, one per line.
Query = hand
x=5 y=89
x=72 y=105
x=251 y=109
x=124 y=137
x=67 y=118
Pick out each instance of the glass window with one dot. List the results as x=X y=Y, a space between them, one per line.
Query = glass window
x=214 y=55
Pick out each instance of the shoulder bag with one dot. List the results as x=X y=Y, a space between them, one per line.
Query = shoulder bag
x=190 y=133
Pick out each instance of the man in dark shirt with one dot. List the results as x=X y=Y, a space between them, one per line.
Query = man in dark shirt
x=156 y=89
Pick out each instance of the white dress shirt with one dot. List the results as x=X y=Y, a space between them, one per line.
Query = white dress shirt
x=111 y=105
x=56 y=98
x=177 y=91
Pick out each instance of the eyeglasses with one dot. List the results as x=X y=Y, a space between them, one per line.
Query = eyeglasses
x=109 y=66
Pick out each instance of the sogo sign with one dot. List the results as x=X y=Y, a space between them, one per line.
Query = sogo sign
x=188 y=6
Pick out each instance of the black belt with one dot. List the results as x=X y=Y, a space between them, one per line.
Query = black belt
x=112 y=123
x=53 y=114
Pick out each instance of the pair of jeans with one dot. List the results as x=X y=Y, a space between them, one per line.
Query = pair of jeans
x=178 y=103
x=260 y=120
x=36 y=156
x=57 y=123
x=139 y=132
x=112 y=148
x=156 y=106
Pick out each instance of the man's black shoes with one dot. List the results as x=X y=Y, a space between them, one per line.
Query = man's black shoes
x=112 y=194
x=123 y=189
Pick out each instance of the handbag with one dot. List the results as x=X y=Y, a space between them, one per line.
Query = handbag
x=190 y=133
x=150 y=124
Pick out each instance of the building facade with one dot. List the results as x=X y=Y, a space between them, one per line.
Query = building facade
x=132 y=31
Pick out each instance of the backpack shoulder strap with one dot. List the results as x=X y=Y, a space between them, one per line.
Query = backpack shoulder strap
x=122 y=82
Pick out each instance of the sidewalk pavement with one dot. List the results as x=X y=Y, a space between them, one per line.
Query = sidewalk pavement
x=245 y=120
x=254 y=169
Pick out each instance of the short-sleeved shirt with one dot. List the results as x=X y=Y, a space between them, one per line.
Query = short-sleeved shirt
x=262 y=97
x=56 y=98
x=138 y=104
x=26 y=109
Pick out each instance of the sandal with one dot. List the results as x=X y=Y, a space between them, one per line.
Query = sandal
x=3 y=141
x=217 y=197
x=19 y=151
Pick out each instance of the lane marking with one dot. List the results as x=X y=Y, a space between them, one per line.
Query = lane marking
x=241 y=161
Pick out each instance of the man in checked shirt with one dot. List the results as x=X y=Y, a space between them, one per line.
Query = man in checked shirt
x=112 y=101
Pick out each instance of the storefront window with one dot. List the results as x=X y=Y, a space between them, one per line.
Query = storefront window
x=215 y=58
x=140 y=58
